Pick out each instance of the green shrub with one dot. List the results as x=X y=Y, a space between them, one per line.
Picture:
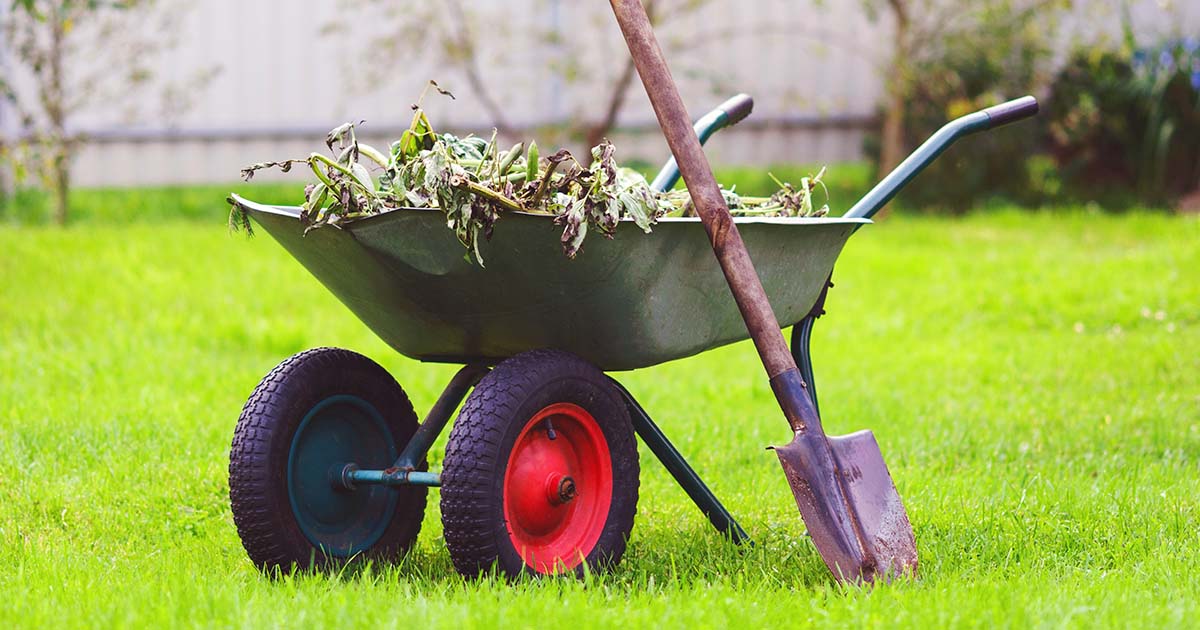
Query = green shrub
x=24 y=206
x=1118 y=129
x=1005 y=56
x=150 y=204
x=1131 y=122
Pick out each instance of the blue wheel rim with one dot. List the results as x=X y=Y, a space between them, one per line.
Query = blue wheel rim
x=340 y=430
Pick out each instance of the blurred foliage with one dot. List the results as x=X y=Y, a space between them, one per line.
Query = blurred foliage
x=75 y=55
x=1119 y=121
x=43 y=36
x=1120 y=124
x=1004 y=54
x=470 y=38
x=153 y=204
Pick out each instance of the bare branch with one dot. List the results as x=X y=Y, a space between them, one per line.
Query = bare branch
x=48 y=39
x=465 y=41
x=616 y=99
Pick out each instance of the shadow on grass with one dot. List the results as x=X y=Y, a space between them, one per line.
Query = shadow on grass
x=659 y=562
x=1003 y=545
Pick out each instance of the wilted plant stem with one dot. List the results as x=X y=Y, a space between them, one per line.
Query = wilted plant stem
x=318 y=157
x=489 y=194
x=545 y=183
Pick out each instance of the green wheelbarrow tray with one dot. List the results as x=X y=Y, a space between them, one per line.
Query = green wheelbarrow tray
x=624 y=303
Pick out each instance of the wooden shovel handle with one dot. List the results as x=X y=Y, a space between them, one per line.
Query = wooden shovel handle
x=706 y=194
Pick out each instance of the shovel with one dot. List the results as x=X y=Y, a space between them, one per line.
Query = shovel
x=845 y=493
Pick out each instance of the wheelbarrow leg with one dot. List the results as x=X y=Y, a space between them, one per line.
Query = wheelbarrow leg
x=404 y=471
x=439 y=415
x=802 y=340
x=683 y=473
x=801 y=352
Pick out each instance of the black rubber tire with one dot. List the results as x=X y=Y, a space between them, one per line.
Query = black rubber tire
x=477 y=454
x=258 y=459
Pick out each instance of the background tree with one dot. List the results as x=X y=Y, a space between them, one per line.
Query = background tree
x=70 y=55
x=928 y=35
x=463 y=37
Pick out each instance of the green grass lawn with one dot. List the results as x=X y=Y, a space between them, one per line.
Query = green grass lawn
x=1033 y=380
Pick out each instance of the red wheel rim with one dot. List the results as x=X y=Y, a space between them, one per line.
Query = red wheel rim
x=558 y=488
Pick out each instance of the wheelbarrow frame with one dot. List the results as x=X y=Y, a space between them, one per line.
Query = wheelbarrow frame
x=405 y=470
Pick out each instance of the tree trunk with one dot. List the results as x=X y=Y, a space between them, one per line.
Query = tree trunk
x=598 y=131
x=891 y=151
x=6 y=184
x=464 y=40
x=892 y=148
x=54 y=102
x=62 y=182
x=616 y=99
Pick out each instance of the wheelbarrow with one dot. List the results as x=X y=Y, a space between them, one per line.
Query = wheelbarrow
x=540 y=473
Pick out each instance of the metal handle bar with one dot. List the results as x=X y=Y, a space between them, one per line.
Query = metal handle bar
x=982 y=120
x=727 y=114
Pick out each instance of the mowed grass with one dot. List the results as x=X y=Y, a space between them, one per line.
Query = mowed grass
x=1033 y=380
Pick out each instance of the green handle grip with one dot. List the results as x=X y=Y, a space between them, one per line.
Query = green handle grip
x=727 y=114
x=1012 y=111
x=925 y=154
x=737 y=108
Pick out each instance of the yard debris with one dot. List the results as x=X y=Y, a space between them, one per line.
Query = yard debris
x=474 y=182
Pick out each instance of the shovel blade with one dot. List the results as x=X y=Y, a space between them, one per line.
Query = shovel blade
x=850 y=505
x=871 y=493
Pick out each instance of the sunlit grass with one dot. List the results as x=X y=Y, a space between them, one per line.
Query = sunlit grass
x=1034 y=382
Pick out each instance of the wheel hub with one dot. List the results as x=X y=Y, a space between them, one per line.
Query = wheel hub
x=340 y=519
x=558 y=488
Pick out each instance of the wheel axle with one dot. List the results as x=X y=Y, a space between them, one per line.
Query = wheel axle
x=351 y=476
